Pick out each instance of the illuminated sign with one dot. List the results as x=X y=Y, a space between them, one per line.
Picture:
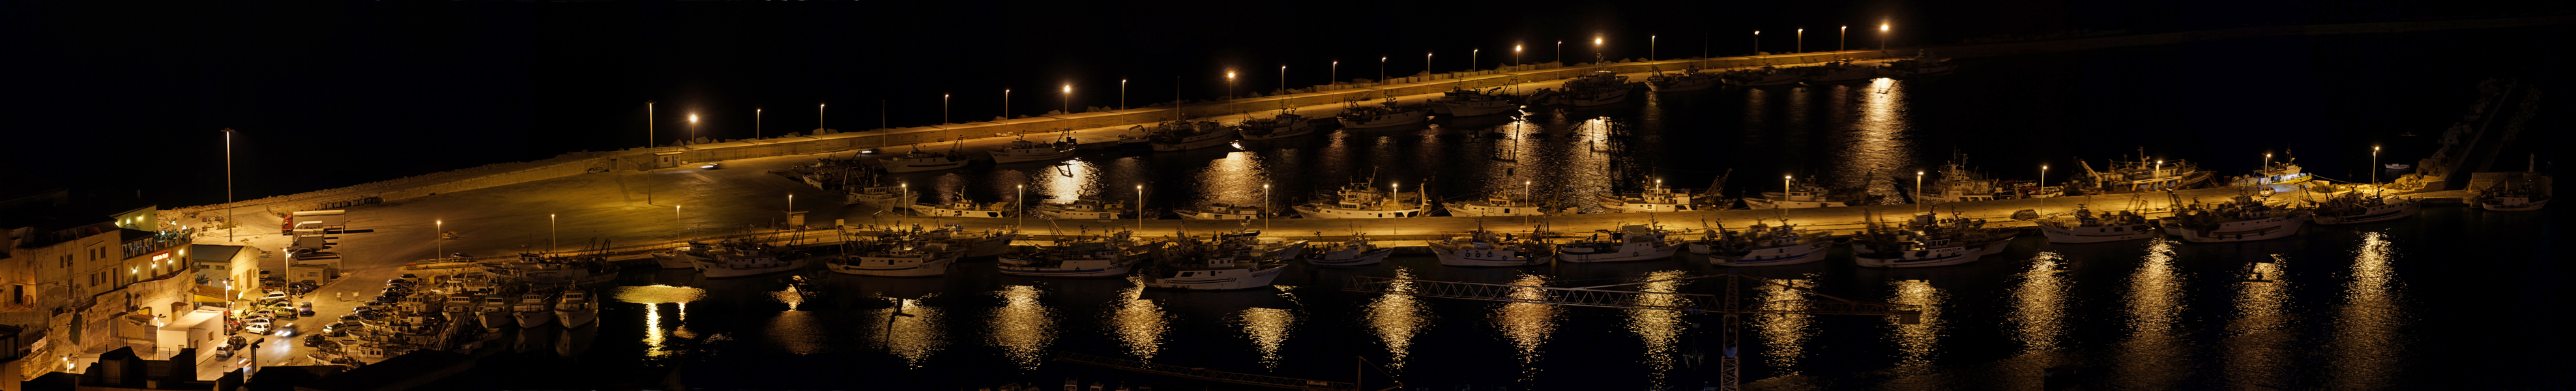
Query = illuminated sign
x=160 y=257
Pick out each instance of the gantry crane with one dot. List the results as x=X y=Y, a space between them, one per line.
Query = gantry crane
x=1730 y=308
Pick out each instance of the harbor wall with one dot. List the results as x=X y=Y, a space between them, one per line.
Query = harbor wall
x=1325 y=95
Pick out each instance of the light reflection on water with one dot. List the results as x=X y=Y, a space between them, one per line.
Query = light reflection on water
x=2365 y=346
x=1235 y=179
x=1138 y=323
x=1268 y=329
x=657 y=341
x=1527 y=325
x=1022 y=326
x=909 y=330
x=1918 y=344
x=1875 y=148
x=1660 y=330
x=1784 y=336
x=2152 y=356
x=2039 y=304
x=1396 y=317
x=2258 y=338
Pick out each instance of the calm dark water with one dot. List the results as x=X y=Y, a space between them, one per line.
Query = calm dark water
x=2454 y=298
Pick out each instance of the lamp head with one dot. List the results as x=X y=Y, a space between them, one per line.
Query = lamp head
x=693 y=118
x=1882 y=27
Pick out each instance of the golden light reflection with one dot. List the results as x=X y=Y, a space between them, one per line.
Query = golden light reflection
x=1876 y=140
x=1784 y=335
x=1396 y=317
x=2258 y=338
x=792 y=297
x=1527 y=325
x=797 y=332
x=1236 y=180
x=914 y=337
x=2152 y=357
x=2366 y=347
x=1660 y=330
x=1022 y=326
x=2039 y=304
x=1918 y=343
x=1268 y=329
x=1139 y=323
x=1065 y=181
x=656 y=340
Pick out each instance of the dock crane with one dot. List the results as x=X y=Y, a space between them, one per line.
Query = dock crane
x=1730 y=308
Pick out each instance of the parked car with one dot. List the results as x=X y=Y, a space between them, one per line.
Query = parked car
x=711 y=166
x=259 y=326
x=305 y=309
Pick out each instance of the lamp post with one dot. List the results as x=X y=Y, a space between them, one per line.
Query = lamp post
x=1140 y=208
x=1597 y=58
x=693 y=126
x=1335 y=74
x=1006 y=103
x=818 y=118
x=1068 y=99
x=1560 y=51
x=1229 y=84
x=439 y=236
x=1801 y=45
x=755 y=123
x=1757 y=42
x=905 y=195
x=1651 y=41
x=1426 y=62
x=552 y=242
x=1882 y=37
x=648 y=124
x=1265 y=206
x=1516 y=54
x=943 y=109
x=1842 y=39
x=1918 y=192
x=2043 y=176
x=676 y=224
x=1381 y=69
x=1526 y=201
x=1474 y=56
x=2374 y=166
x=1020 y=203
x=1122 y=94
x=1283 y=78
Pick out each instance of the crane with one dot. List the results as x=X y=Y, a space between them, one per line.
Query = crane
x=1730 y=308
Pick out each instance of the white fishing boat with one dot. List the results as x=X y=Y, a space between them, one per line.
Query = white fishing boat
x=896 y=256
x=1085 y=208
x=1689 y=79
x=1761 y=245
x=918 y=160
x=2138 y=176
x=1274 y=247
x=1629 y=243
x=1839 y=71
x=989 y=242
x=1355 y=252
x=1113 y=255
x=533 y=310
x=1214 y=267
x=1187 y=135
x=1917 y=253
x=1658 y=199
x=1954 y=182
x=2515 y=192
x=2280 y=173
x=1798 y=195
x=963 y=207
x=1495 y=205
x=1221 y=211
x=1286 y=124
x=1928 y=241
x=1760 y=77
x=1471 y=103
x=576 y=308
x=683 y=257
x=2354 y=208
x=495 y=311
x=1361 y=201
x=745 y=260
x=1031 y=151
x=2085 y=227
x=2240 y=220
x=1483 y=248
x=1358 y=116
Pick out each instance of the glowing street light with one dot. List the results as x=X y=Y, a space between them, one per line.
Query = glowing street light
x=818 y=118
x=755 y=123
x=1140 y=208
x=1842 y=38
x=552 y=244
x=1918 y=192
x=1757 y=42
x=648 y=123
x=1651 y=40
x=693 y=126
x=439 y=235
x=1229 y=84
x=2043 y=176
x=1381 y=69
x=1882 y=37
x=2374 y=166
x=1006 y=103
x=1265 y=206
x=943 y=109
x=1283 y=77
x=1122 y=94
x=1801 y=45
x=1516 y=54
x=1336 y=73
x=1068 y=99
x=1472 y=58
x=1020 y=204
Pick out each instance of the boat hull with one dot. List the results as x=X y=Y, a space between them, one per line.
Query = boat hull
x=1328 y=213
x=1007 y=157
x=2239 y=231
x=576 y=318
x=718 y=270
x=1945 y=256
x=1767 y=256
x=1198 y=215
x=674 y=261
x=919 y=167
x=1471 y=210
x=534 y=319
x=1363 y=259
x=1255 y=279
x=1627 y=255
x=1686 y=84
x=2108 y=233
x=497 y=319
x=1203 y=141
x=892 y=266
x=2392 y=211
x=1398 y=119
x=1077 y=271
x=1766 y=203
x=2523 y=207
x=1300 y=129
x=1475 y=257
x=1473 y=109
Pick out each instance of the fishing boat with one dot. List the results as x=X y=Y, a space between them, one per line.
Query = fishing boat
x=2282 y=173
x=1481 y=248
x=458 y=306
x=1023 y=150
x=533 y=309
x=963 y=207
x=1286 y=124
x=1355 y=252
x=2139 y=176
x=1629 y=243
x=1084 y=208
x=2239 y=220
x=683 y=257
x=1658 y=199
x=1188 y=135
x=1926 y=242
x=883 y=196
x=2086 y=227
x=1471 y=103
x=2516 y=192
x=1689 y=79
x=1762 y=245
x=1104 y=256
x=1797 y=195
x=1494 y=205
x=1359 y=116
x=918 y=160
x=1760 y=77
x=750 y=259
x=1919 y=65
x=989 y=242
x=1954 y=182
x=1221 y=211
x=495 y=311
x=1274 y=247
x=1361 y=201
x=1596 y=89
x=1214 y=266
x=576 y=309
x=907 y=255
x=1838 y=72
x=2354 y=208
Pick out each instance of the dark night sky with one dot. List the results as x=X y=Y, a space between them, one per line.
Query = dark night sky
x=111 y=98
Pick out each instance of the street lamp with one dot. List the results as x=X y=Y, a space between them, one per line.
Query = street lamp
x=552 y=242
x=1283 y=78
x=1020 y=203
x=693 y=126
x=2043 y=176
x=1526 y=201
x=1918 y=192
x=943 y=109
x=228 y=185
x=1265 y=206
x=2374 y=166
x=1229 y=84
x=1596 y=51
x=755 y=123
x=1006 y=103
x=1336 y=73
x=818 y=118
x=905 y=196
x=1516 y=54
x=1801 y=45
x=1560 y=51
x=1882 y=37
x=1140 y=208
x=1842 y=38
x=1426 y=62
x=1381 y=69
x=1474 y=56
x=1068 y=99
x=439 y=236
x=1122 y=94
x=1757 y=42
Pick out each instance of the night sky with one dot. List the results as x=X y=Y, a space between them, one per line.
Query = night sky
x=113 y=98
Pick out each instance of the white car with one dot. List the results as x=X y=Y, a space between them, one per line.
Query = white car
x=711 y=166
x=259 y=326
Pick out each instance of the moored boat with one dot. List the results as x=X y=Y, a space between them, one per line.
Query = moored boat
x=1355 y=252
x=1361 y=201
x=2086 y=227
x=1629 y=243
x=1760 y=77
x=750 y=259
x=904 y=255
x=576 y=308
x=1188 y=135
x=1762 y=245
x=533 y=310
x=1214 y=266
x=963 y=208
x=918 y=160
x=1358 y=116
x=1797 y=195
x=1286 y=124
x=1104 y=256
x=1495 y=205
x=1024 y=150
x=1221 y=211
x=1471 y=103
x=1838 y=71
x=1481 y=248
x=1084 y=208
x=2516 y=192
x=2354 y=208
x=1689 y=79
x=2239 y=220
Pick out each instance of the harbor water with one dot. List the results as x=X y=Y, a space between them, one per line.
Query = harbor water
x=2452 y=298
